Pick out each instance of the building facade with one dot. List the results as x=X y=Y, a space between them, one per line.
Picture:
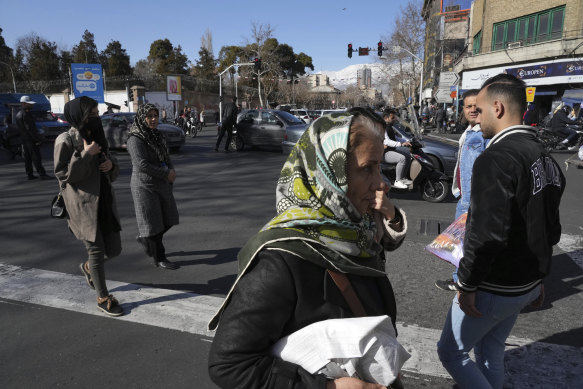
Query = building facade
x=364 y=78
x=539 y=42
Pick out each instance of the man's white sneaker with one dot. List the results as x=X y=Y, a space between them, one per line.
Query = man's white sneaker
x=400 y=185
x=406 y=181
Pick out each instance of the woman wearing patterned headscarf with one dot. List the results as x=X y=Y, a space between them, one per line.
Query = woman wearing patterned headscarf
x=152 y=178
x=85 y=170
x=334 y=219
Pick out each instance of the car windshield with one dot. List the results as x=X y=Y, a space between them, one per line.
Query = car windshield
x=289 y=118
x=44 y=117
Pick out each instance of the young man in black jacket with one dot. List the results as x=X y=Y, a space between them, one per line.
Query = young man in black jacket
x=513 y=223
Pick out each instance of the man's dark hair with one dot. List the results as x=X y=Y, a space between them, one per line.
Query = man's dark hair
x=366 y=111
x=470 y=93
x=388 y=111
x=509 y=87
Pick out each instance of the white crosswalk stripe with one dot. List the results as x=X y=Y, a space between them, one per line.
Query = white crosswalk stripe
x=191 y=312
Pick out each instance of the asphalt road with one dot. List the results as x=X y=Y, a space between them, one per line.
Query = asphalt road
x=223 y=199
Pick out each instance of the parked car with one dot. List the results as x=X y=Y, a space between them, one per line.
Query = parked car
x=117 y=125
x=301 y=114
x=265 y=128
x=441 y=154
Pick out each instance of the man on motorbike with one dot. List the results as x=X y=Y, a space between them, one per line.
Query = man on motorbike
x=560 y=123
x=394 y=151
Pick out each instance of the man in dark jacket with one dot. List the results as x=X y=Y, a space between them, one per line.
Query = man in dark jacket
x=513 y=223
x=439 y=119
x=229 y=119
x=31 y=139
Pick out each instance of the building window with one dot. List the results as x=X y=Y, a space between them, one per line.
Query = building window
x=477 y=43
x=529 y=29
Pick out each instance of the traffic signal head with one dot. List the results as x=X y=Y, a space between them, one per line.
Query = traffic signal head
x=350 y=50
x=380 y=50
x=257 y=64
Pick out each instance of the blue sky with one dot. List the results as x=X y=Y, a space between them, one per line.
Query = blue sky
x=321 y=29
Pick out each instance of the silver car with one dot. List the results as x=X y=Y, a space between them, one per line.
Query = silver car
x=265 y=128
x=117 y=125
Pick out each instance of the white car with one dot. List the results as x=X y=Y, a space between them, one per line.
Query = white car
x=302 y=114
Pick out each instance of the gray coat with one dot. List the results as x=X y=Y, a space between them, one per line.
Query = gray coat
x=79 y=171
x=152 y=193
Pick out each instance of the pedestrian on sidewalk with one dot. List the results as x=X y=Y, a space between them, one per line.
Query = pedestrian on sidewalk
x=152 y=181
x=31 y=140
x=334 y=218
x=513 y=223
x=471 y=144
x=85 y=169
x=439 y=119
x=229 y=119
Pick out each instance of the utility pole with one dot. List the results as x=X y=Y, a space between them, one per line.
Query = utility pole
x=221 y=83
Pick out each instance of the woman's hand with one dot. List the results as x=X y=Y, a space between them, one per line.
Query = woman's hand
x=171 y=176
x=352 y=383
x=106 y=165
x=382 y=203
x=91 y=148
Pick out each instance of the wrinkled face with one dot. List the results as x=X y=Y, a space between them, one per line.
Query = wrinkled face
x=152 y=118
x=364 y=174
x=486 y=117
x=470 y=111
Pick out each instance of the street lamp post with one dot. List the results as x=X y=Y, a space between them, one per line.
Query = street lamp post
x=11 y=72
x=397 y=49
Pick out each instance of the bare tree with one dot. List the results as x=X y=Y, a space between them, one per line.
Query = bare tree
x=408 y=34
x=206 y=41
x=261 y=46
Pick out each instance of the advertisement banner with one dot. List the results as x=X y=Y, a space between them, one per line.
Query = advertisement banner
x=87 y=81
x=173 y=88
x=562 y=71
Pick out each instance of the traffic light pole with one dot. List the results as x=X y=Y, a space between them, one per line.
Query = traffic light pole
x=221 y=86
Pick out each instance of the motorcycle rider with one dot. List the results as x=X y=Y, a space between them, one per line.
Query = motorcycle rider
x=559 y=124
x=395 y=153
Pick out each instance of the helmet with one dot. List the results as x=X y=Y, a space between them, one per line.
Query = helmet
x=566 y=109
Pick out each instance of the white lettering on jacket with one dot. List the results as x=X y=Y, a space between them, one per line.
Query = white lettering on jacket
x=544 y=172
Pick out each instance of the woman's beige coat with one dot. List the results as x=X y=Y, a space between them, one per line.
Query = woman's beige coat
x=79 y=173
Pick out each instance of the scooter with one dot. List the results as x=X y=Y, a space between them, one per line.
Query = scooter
x=554 y=142
x=433 y=184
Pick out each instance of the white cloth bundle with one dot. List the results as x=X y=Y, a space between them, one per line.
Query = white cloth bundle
x=362 y=347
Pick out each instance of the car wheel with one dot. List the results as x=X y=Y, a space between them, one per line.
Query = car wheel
x=237 y=143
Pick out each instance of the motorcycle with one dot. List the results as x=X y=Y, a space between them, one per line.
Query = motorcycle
x=554 y=142
x=433 y=184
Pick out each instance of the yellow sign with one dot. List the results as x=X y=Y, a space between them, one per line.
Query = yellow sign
x=530 y=94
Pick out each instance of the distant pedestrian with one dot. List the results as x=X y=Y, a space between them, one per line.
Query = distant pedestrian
x=439 y=119
x=31 y=140
x=201 y=119
x=228 y=121
x=152 y=182
x=513 y=223
x=164 y=115
x=85 y=170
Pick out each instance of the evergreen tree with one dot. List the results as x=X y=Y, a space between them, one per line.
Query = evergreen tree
x=116 y=61
x=205 y=65
x=86 y=51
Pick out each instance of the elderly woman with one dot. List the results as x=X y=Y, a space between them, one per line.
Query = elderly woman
x=334 y=219
x=85 y=170
x=151 y=183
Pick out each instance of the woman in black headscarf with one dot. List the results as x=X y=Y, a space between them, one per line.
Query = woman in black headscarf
x=85 y=170
x=152 y=178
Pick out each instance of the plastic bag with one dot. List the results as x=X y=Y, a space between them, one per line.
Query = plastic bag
x=449 y=245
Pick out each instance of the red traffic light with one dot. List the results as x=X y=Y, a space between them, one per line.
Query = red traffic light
x=350 y=50
x=380 y=49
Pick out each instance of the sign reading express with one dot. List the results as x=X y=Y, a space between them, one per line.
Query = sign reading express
x=88 y=81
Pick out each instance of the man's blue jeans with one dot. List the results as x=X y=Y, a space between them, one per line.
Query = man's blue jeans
x=486 y=335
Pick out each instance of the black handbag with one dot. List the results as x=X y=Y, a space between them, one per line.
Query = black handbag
x=58 y=209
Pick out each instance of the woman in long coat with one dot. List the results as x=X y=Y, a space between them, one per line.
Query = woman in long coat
x=85 y=170
x=152 y=178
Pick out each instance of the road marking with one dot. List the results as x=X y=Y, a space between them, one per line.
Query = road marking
x=190 y=312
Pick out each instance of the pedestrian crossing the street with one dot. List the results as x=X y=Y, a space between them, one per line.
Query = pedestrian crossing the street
x=190 y=312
